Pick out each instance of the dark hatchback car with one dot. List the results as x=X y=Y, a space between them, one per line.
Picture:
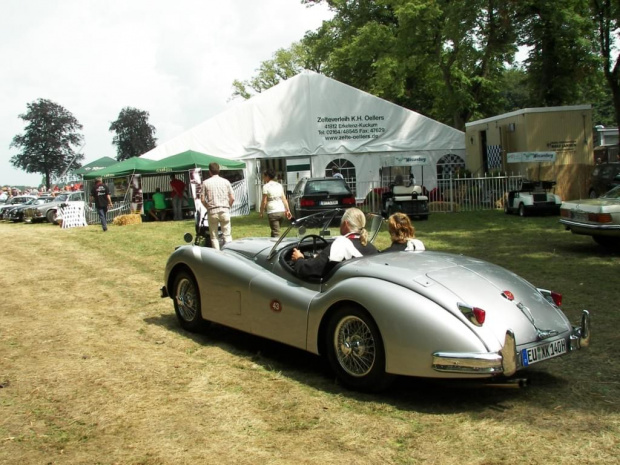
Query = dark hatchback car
x=313 y=195
x=605 y=177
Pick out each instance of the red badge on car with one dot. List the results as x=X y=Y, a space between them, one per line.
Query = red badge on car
x=508 y=295
x=276 y=306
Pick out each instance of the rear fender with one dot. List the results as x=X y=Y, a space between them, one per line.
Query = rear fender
x=411 y=326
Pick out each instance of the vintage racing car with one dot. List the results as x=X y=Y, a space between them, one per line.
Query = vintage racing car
x=423 y=314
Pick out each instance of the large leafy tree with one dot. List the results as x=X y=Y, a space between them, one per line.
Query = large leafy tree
x=47 y=144
x=285 y=64
x=439 y=57
x=606 y=14
x=134 y=135
x=455 y=61
x=561 y=64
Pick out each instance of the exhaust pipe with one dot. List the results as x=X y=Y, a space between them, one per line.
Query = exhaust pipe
x=515 y=383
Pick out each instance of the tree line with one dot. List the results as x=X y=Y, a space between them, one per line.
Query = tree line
x=455 y=61
x=51 y=141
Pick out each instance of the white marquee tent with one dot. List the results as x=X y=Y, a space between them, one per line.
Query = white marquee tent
x=313 y=120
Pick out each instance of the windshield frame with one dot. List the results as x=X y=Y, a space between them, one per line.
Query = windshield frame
x=324 y=220
x=615 y=194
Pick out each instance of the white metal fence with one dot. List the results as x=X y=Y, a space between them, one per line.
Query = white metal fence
x=450 y=195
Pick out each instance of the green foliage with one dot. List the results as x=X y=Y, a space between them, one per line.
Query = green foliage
x=455 y=61
x=606 y=14
x=47 y=142
x=133 y=133
x=560 y=37
x=285 y=64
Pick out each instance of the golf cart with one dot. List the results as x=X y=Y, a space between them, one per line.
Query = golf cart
x=533 y=197
x=402 y=194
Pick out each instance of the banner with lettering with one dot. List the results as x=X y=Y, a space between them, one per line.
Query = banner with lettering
x=530 y=157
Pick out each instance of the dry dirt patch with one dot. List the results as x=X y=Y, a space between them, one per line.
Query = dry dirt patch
x=94 y=369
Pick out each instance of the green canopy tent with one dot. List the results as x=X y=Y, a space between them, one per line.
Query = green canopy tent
x=190 y=159
x=134 y=165
x=98 y=164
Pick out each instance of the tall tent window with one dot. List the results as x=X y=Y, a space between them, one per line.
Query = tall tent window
x=347 y=169
x=448 y=165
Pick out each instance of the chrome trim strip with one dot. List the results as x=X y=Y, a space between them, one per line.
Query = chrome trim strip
x=580 y=337
x=505 y=361
x=472 y=363
x=601 y=227
x=584 y=339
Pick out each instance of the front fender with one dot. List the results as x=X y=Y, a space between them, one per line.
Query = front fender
x=412 y=327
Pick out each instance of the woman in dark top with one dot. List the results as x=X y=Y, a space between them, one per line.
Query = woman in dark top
x=402 y=234
x=352 y=243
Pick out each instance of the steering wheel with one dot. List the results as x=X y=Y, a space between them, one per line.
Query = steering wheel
x=314 y=238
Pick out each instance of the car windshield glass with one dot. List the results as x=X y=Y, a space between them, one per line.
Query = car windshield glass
x=327 y=186
x=326 y=225
x=61 y=197
x=612 y=194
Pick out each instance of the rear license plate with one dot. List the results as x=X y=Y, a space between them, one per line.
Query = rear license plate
x=580 y=216
x=543 y=352
x=329 y=202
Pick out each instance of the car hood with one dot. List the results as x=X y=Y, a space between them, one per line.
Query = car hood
x=450 y=280
x=250 y=247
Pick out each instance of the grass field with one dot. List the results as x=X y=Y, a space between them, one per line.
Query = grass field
x=94 y=368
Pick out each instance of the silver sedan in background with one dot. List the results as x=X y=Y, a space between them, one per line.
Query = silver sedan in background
x=599 y=218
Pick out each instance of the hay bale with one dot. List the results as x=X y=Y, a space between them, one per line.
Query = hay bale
x=127 y=219
x=443 y=207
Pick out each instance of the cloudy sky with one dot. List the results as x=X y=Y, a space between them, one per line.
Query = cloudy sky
x=175 y=59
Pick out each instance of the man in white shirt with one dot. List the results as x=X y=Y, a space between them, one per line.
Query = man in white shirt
x=217 y=196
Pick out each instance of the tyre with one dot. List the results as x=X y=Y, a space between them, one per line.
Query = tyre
x=51 y=216
x=355 y=350
x=522 y=211
x=186 y=298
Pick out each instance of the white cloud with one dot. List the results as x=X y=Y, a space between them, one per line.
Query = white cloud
x=175 y=59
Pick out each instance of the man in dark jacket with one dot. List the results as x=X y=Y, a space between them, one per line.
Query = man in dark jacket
x=100 y=195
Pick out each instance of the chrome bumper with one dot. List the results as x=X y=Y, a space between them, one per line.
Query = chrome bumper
x=589 y=226
x=506 y=361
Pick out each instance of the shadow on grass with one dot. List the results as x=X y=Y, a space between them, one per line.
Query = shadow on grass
x=537 y=249
x=437 y=397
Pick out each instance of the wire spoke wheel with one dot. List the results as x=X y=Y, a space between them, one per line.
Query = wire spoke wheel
x=187 y=302
x=355 y=350
x=355 y=346
x=186 y=299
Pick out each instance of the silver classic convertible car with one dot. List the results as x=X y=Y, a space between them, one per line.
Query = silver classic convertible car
x=423 y=314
